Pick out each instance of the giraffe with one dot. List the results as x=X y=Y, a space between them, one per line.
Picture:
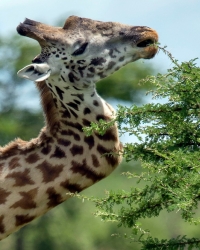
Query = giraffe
x=39 y=174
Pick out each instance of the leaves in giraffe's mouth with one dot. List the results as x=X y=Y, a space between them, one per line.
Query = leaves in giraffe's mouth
x=145 y=43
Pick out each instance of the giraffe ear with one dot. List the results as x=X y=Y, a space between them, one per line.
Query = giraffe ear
x=35 y=72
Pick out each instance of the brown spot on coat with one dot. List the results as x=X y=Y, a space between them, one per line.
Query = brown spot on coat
x=66 y=114
x=121 y=58
x=95 y=161
x=95 y=103
x=86 y=122
x=64 y=142
x=98 y=61
x=72 y=133
x=49 y=172
x=76 y=150
x=21 y=178
x=14 y=163
x=2 y=226
x=72 y=187
x=3 y=195
x=109 y=135
x=85 y=170
x=46 y=149
x=73 y=105
x=53 y=197
x=74 y=125
x=89 y=140
x=80 y=96
x=86 y=111
x=72 y=77
x=73 y=113
x=109 y=154
x=32 y=158
x=23 y=219
x=27 y=200
x=111 y=65
x=58 y=153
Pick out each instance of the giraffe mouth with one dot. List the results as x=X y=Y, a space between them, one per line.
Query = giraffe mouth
x=146 y=43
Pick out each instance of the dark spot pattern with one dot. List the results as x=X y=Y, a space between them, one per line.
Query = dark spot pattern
x=32 y=158
x=101 y=75
x=73 y=105
x=49 y=172
x=53 y=197
x=66 y=114
x=23 y=219
x=3 y=195
x=72 y=187
x=111 y=53
x=84 y=170
x=76 y=150
x=60 y=92
x=2 y=226
x=64 y=142
x=86 y=111
x=72 y=77
x=121 y=59
x=111 y=65
x=80 y=96
x=74 y=125
x=58 y=153
x=72 y=133
x=98 y=61
x=14 y=163
x=73 y=113
x=90 y=141
x=91 y=69
x=95 y=102
x=86 y=122
x=63 y=77
x=81 y=61
x=109 y=135
x=27 y=200
x=95 y=161
x=46 y=149
x=77 y=102
x=108 y=154
x=89 y=75
x=21 y=178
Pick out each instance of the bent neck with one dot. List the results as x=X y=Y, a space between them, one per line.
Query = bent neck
x=74 y=103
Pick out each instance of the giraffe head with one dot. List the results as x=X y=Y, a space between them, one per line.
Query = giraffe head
x=84 y=51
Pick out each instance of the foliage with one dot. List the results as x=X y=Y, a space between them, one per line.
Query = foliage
x=168 y=143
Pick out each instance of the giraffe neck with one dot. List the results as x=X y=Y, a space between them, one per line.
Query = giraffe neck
x=78 y=104
x=38 y=175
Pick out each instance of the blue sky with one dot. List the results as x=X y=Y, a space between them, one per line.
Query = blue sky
x=176 y=21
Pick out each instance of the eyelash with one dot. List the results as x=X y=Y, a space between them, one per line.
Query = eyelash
x=80 y=50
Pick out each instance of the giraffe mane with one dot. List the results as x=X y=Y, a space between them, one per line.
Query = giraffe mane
x=51 y=119
x=49 y=108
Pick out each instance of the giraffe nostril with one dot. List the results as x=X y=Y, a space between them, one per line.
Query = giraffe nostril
x=145 y=43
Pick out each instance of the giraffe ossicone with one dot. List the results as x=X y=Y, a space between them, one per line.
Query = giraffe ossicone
x=37 y=175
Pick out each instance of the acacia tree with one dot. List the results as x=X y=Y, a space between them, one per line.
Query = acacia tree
x=168 y=144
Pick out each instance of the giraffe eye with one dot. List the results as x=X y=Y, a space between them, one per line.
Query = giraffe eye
x=80 y=50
